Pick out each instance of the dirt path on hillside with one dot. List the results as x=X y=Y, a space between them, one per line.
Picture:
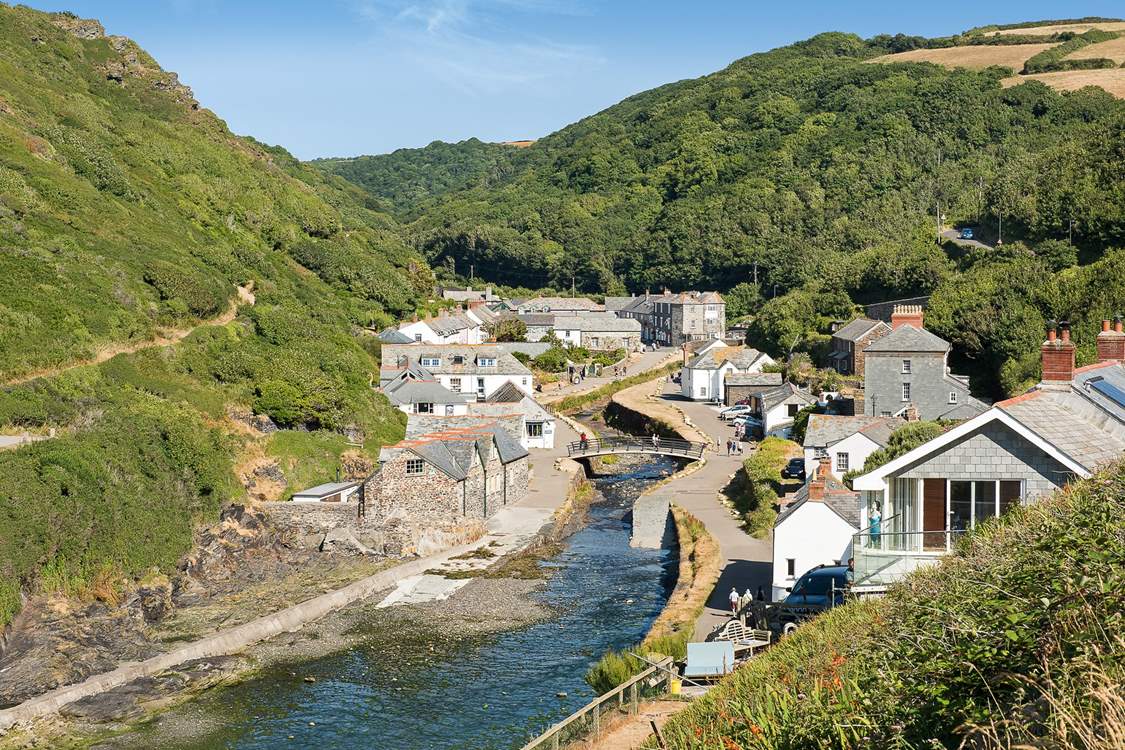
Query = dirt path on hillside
x=165 y=338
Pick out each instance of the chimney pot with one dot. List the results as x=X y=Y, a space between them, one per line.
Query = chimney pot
x=907 y=315
x=1064 y=328
x=1058 y=355
x=1105 y=326
x=1117 y=324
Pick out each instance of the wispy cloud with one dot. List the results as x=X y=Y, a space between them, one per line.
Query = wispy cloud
x=478 y=46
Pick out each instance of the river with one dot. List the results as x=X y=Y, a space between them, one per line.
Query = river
x=493 y=691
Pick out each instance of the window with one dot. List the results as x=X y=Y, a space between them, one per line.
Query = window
x=703 y=391
x=523 y=381
x=458 y=359
x=455 y=385
x=431 y=361
x=906 y=391
x=417 y=338
x=415 y=466
x=793 y=409
x=820 y=453
x=842 y=462
x=906 y=367
x=790 y=567
x=480 y=389
x=884 y=414
x=449 y=410
x=953 y=397
x=487 y=361
x=535 y=429
x=424 y=408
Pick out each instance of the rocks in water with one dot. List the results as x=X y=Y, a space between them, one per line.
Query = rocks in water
x=560 y=694
x=310 y=678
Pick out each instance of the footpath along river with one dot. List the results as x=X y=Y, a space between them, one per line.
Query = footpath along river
x=488 y=691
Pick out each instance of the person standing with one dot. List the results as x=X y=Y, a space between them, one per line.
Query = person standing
x=875 y=528
x=583 y=442
x=655 y=441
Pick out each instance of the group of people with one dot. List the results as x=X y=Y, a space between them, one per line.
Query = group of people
x=619 y=371
x=734 y=446
x=741 y=602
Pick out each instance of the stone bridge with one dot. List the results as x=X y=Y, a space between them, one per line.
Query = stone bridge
x=622 y=445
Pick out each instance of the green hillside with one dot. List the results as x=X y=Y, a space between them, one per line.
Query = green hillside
x=408 y=176
x=126 y=211
x=820 y=175
x=1015 y=641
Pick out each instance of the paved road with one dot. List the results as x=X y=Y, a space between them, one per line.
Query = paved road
x=748 y=561
x=638 y=363
x=955 y=236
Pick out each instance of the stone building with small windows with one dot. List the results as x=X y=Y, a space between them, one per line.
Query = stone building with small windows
x=448 y=473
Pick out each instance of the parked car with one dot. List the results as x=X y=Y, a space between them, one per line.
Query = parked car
x=734 y=411
x=795 y=469
x=748 y=420
x=966 y=233
x=821 y=588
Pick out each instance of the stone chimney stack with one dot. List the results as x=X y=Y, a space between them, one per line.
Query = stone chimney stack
x=912 y=413
x=1111 y=341
x=1058 y=354
x=906 y=315
x=817 y=484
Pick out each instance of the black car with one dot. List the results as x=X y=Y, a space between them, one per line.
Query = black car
x=795 y=469
x=821 y=588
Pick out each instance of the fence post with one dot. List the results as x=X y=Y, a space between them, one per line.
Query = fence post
x=597 y=720
x=633 y=698
x=555 y=741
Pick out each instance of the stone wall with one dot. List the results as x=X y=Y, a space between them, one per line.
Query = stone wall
x=518 y=474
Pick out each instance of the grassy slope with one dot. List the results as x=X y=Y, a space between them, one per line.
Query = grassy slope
x=1017 y=638
x=123 y=209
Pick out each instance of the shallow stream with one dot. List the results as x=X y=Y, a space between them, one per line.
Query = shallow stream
x=495 y=691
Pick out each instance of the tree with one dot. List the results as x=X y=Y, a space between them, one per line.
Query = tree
x=509 y=329
x=903 y=440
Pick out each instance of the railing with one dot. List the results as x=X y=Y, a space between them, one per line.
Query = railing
x=662 y=446
x=588 y=720
x=884 y=557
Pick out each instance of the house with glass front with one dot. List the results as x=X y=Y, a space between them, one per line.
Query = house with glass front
x=1068 y=426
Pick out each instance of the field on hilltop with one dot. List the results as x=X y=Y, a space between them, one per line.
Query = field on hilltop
x=1114 y=49
x=1059 y=28
x=974 y=57
x=1112 y=80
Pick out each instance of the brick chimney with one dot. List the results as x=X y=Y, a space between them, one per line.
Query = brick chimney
x=912 y=413
x=1058 y=354
x=816 y=485
x=1111 y=341
x=906 y=315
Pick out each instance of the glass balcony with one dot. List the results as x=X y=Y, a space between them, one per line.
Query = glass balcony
x=881 y=558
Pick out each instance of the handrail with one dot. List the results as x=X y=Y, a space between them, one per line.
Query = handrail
x=881 y=522
x=593 y=706
x=663 y=446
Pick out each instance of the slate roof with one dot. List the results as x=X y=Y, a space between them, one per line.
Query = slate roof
x=857 y=329
x=408 y=391
x=597 y=324
x=838 y=497
x=827 y=429
x=713 y=359
x=552 y=304
x=907 y=338
x=964 y=411
x=447 y=325
x=613 y=304
x=394 y=336
x=771 y=397
x=508 y=393
x=762 y=379
x=530 y=348
x=468 y=295
x=396 y=358
x=641 y=305
x=452 y=443
x=326 y=489
x=537 y=319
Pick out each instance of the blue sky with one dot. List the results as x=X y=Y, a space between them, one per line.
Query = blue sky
x=346 y=77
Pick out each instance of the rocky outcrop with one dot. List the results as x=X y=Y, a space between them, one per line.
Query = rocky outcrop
x=83 y=28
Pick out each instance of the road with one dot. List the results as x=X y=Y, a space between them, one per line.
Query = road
x=638 y=363
x=954 y=235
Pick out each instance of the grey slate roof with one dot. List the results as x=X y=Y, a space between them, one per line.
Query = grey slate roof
x=762 y=379
x=531 y=348
x=397 y=357
x=857 y=329
x=508 y=393
x=613 y=304
x=827 y=429
x=553 y=304
x=326 y=489
x=839 y=498
x=907 y=338
x=713 y=359
x=595 y=323
x=452 y=443
x=537 y=319
x=771 y=397
x=394 y=336
x=408 y=391
x=964 y=411
x=447 y=325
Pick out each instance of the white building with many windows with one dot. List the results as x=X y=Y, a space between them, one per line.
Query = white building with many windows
x=475 y=371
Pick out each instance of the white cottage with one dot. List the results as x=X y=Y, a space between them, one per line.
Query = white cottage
x=845 y=441
x=815 y=529
x=703 y=378
x=537 y=425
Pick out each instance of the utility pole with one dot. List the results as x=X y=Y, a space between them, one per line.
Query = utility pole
x=937 y=196
x=572 y=285
x=755 y=273
x=980 y=200
x=1070 y=231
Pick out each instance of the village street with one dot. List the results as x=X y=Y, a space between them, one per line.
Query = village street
x=638 y=363
x=747 y=560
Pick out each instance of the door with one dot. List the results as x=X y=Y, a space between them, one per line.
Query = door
x=933 y=513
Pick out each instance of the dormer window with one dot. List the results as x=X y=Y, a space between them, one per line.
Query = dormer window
x=430 y=361
x=486 y=361
x=458 y=359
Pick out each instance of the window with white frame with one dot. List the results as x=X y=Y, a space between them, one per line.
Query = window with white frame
x=842 y=462
x=424 y=407
x=417 y=338
x=431 y=361
x=486 y=361
x=820 y=453
x=906 y=367
x=535 y=429
x=953 y=397
x=449 y=410
x=458 y=359
x=415 y=466
x=906 y=391
x=455 y=385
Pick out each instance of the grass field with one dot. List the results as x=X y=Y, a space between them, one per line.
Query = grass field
x=1114 y=49
x=1110 y=79
x=1059 y=28
x=976 y=57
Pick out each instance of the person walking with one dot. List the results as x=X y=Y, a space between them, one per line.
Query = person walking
x=655 y=441
x=583 y=442
x=733 y=599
